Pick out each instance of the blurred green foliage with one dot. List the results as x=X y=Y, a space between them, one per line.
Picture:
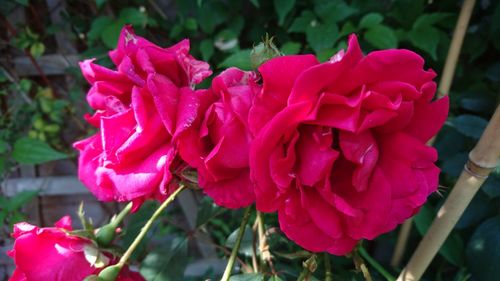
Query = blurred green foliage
x=224 y=33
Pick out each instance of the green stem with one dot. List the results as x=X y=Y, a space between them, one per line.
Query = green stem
x=328 y=268
x=234 y=252
x=123 y=213
x=147 y=226
x=106 y=234
x=376 y=265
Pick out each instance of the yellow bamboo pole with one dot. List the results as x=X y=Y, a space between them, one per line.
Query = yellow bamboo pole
x=403 y=236
x=482 y=159
x=443 y=90
x=455 y=47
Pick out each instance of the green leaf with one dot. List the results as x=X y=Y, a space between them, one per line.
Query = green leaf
x=476 y=211
x=240 y=59
x=427 y=20
x=450 y=142
x=495 y=19
x=474 y=47
x=100 y=3
x=132 y=16
x=246 y=246
x=283 y=7
x=3 y=146
x=483 y=251
x=25 y=3
x=207 y=211
x=20 y=199
x=470 y=125
x=3 y=215
x=426 y=39
x=478 y=101
x=97 y=26
x=31 y=151
x=176 y=30
x=452 y=249
x=3 y=163
x=166 y=263
x=255 y=3
x=247 y=277
x=302 y=22
x=493 y=72
x=490 y=186
x=37 y=49
x=454 y=165
x=110 y=34
x=424 y=36
x=347 y=29
x=424 y=219
x=370 y=20
x=25 y=85
x=191 y=24
x=325 y=54
x=321 y=36
x=275 y=278
x=211 y=14
x=206 y=49
x=290 y=48
x=333 y=11
x=236 y=26
x=381 y=37
x=406 y=12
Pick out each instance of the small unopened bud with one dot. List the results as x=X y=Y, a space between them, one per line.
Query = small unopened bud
x=110 y=273
x=92 y=278
x=105 y=235
x=263 y=52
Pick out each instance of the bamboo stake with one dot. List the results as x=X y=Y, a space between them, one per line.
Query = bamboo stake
x=455 y=47
x=443 y=90
x=403 y=236
x=482 y=159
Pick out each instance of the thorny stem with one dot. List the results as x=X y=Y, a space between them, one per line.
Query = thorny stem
x=255 y=264
x=234 y=252
x=375 y=264
x=265 y=254
x=361 y=266
x=119 y=218
x=328 y=268
x=147 y=226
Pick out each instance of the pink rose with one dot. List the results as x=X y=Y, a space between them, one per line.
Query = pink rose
x=51 y=253
x=218 y=142
x=132 y=156
x=341 y=152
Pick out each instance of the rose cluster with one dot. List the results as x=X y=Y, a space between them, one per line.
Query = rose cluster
x=337 y=149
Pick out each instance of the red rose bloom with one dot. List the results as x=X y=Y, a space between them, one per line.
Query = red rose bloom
x=51 y=253
x=132 y=155
x=341 y=150
x=218 y=142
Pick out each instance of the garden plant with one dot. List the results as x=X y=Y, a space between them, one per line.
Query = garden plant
x=324 y=139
